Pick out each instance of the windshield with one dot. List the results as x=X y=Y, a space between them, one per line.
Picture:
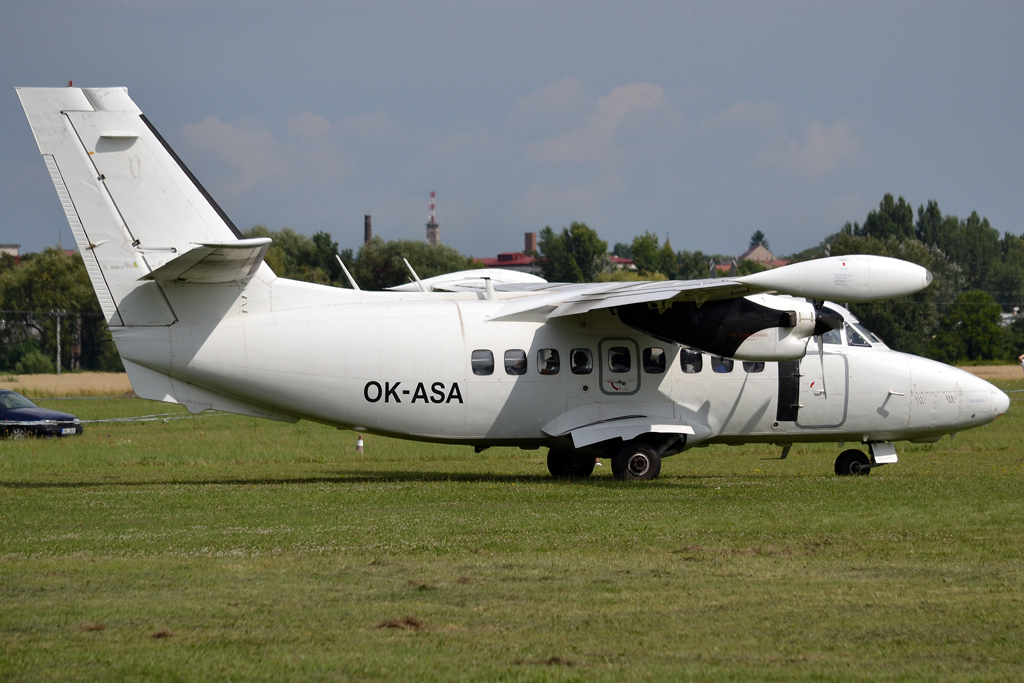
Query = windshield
x=11 y=400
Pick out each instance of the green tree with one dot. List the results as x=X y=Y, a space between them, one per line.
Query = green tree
x=622 y=250
x=44 y=283
x=298 y=257
x=1006 y=276
x=693 y=265
x=758 y=238
x=576 y=254
x=894 y=218
x=379 y=264
x=970 y=330
x=972 y=243
x=650 y=258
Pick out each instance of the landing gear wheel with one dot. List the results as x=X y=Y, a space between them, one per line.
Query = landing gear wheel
x=636 y=461
x=852 y=462
x=569 y=464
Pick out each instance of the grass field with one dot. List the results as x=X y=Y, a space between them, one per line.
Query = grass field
x=227 y=548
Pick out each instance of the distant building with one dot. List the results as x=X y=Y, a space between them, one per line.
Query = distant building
x=618 y=263
x=760 y=254
x=521 y=261
x=12 y=249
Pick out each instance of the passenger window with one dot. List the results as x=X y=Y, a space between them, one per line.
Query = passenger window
x=854 y=338
x=753 y=366
x=619 y=359
x=515 y=362
x=547 y=361
x=483 y=362
x=581 y=361
x=692 y=361
x=721 y=365
x=832 y=337
x=654 y=361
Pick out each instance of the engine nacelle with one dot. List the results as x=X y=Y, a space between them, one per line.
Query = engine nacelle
x=760 y=327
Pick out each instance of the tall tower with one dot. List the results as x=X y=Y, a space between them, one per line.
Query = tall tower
x=433 y=229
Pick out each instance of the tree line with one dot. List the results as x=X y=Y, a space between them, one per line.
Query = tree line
x=978 y=274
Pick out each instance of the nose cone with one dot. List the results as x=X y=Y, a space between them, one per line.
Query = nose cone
x=1000 y=401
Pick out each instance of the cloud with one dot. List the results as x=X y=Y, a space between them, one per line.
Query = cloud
x=248 y=147
x=823 y=150
x=552 y=110
x=595 y=140
x=746 y=115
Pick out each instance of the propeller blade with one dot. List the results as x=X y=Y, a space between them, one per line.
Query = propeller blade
x=821 y=357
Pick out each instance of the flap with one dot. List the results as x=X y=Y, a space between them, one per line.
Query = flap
x=598 y=422
x=214 y=262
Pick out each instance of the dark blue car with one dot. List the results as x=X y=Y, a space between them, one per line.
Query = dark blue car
x=20 y=417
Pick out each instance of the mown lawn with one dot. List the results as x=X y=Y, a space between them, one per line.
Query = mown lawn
x=226 y=548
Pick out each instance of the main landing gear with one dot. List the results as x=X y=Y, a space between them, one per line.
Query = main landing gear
x=570 y=464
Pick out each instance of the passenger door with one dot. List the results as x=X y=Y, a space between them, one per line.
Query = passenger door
x=619 y=366
x=823 y=398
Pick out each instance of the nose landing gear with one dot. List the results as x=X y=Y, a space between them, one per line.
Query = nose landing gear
x=852 y=462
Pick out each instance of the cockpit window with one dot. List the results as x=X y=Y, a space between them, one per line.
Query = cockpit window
x=581 y=361
x=619 y=359
x=515 y=362
x=832 y=337
x=854 y=337
x=868 y=333
x=654 y=361
x=483 y=362
x=547 y=361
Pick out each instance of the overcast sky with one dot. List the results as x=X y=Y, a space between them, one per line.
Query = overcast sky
x=704 y=121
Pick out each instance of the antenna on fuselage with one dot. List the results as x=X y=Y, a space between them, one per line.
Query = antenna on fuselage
x=347 y=274
x=414 y=275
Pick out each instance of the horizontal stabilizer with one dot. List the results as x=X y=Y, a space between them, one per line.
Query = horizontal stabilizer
x=214 y=262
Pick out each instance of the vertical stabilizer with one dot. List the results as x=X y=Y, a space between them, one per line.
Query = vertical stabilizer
x=131 y=203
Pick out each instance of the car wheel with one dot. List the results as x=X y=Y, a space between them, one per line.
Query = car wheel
x=17 y=433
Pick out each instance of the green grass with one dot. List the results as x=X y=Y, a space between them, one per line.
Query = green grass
x=273 y=551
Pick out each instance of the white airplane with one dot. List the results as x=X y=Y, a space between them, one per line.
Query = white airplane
x=630 y=371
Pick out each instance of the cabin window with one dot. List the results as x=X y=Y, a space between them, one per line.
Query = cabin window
x=619 y=359
x=832 y=337
x=483 y=362
x=854 y=339
x=753 y=366
x=515 y=362
x=721 y=365
x=692 y=362
x=654 y=361
x=547 y=361
x=581 y=361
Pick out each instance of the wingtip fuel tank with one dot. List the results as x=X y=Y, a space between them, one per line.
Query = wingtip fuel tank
x=855 y=278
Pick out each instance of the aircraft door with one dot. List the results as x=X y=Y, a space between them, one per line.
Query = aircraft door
x=823 y=399
x=619 y=368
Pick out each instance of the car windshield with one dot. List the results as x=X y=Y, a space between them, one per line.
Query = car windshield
x=11 y=400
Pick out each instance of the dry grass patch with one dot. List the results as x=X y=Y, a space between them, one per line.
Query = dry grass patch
x=990 y=372
x=70 y=384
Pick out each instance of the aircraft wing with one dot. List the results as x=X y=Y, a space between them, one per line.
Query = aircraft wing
x=855 y=278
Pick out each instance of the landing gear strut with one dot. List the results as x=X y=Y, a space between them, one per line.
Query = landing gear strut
x=852 y=462
x=569 y=464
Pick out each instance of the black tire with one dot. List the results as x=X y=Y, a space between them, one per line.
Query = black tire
x=569 y=464
x=636 y=461
x=17 y=433
x=852 y=462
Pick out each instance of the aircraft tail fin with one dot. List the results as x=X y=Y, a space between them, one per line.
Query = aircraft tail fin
x=132 y=205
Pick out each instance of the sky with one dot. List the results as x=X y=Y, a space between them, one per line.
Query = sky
x=699 y=121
